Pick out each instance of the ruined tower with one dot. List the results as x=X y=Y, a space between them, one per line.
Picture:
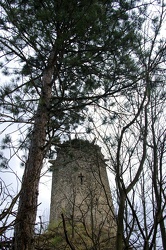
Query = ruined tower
x=80 y=189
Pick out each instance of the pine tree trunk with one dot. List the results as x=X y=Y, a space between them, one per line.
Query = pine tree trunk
x=27 y=209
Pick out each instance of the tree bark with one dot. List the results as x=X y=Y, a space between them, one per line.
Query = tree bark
x=27 y=209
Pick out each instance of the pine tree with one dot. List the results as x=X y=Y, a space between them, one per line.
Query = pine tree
x=70 y=54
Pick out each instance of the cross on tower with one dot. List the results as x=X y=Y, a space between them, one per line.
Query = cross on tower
x=81 y=178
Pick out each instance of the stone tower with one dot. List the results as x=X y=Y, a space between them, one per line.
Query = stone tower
x=80 y=189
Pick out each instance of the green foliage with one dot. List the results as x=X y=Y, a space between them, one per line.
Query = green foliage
x=56 y=240
x=6 y=139
x=3 y=161
x=89 y=39
x=79 y=235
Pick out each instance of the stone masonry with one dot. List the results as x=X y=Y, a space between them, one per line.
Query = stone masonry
x=80 y=188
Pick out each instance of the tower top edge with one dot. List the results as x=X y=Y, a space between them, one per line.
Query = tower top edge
x=79 y=144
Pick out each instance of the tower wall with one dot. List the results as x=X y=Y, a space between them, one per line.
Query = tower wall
x=80 y=188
